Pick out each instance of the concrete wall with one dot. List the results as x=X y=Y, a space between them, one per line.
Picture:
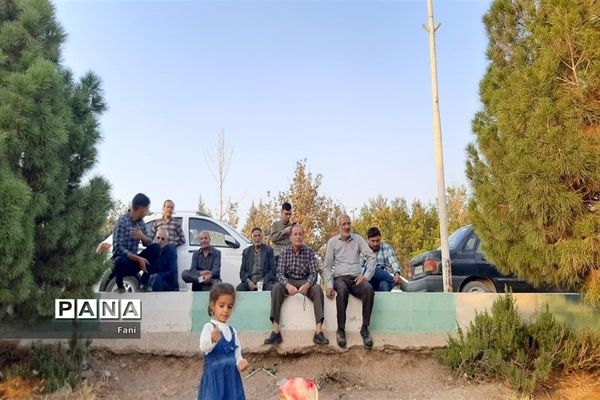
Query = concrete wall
x=172 y=321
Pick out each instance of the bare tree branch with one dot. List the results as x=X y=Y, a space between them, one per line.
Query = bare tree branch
x=219 y=162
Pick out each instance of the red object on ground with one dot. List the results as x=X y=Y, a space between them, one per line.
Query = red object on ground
x=299 y=389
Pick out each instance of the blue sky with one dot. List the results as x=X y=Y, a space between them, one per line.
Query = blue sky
x=342 y=84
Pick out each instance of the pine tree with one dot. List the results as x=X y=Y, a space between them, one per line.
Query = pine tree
x=535 y=165
x=51 y=217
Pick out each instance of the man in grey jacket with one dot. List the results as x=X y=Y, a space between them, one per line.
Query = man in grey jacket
x=344 y=275
x=281 y=230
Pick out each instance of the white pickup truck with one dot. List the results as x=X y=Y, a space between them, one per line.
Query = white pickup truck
x=229 y=241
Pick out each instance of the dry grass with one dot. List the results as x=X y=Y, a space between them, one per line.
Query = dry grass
x=16 y=387
x=66 y=393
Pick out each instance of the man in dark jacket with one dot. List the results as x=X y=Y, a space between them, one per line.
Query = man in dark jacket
x=162 y=274
x=258 y=265
x=206 y=265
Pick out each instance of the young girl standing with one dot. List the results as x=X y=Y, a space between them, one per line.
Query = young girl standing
x=223 y=360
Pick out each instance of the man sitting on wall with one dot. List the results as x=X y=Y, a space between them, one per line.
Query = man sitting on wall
x=258 y=265
x=128 y=232
x=345 y=276
x=297 y=272
x=162 y=274
x=387 y=267
x=206 y=265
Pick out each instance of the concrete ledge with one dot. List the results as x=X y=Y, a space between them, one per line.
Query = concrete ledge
x=172 y=322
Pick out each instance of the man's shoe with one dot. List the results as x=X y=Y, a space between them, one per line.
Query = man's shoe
x=121 y=290
x=320 y=339
x=341 y=338
x=367 y=340
x=274 y=338
x=151 y=281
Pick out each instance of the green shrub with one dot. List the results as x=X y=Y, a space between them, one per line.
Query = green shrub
x=500 y=346
x=56 y=365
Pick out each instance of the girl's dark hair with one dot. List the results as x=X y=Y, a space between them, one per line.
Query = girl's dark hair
x=217 y=290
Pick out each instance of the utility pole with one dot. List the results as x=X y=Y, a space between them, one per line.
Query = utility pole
x=439 y=156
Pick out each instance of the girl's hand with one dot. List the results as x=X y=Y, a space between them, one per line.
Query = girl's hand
x=243 y=365
x=215 y=335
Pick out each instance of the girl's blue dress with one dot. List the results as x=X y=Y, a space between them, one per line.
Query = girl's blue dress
x=221 y=379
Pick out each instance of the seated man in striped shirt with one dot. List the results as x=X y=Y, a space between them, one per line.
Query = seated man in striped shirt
x=387 y=267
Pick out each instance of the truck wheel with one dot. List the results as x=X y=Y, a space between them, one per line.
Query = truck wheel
x=478 y=287
x=130 y=283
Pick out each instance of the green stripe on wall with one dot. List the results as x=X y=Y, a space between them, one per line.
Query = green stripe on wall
x=251 y=312
x=392 y=312
x=413 y=313
x=409 y=312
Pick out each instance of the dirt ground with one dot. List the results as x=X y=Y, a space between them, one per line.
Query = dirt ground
x=356 y=374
